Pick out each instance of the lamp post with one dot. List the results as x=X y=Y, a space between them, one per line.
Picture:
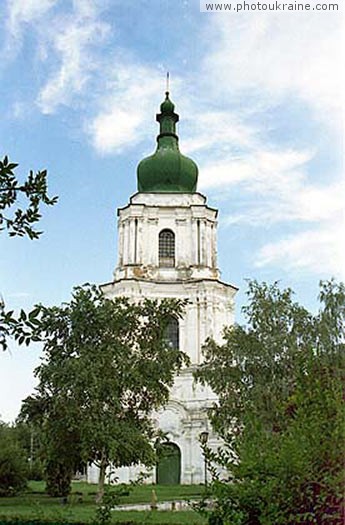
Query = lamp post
x=203 y=440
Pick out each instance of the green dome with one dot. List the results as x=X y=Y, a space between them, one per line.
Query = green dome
x=167 y=170
x=167 y=106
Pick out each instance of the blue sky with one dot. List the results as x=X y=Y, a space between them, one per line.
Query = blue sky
x=260 y=100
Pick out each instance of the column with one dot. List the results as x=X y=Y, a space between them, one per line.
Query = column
x=138 y=240
x=131 y=240
x=182 y=246
x=213 y=245
x=198 y=330
x=208 y=244
x=120 y=243
x=191 y=328
x=152 y=241
x=203 y=242
x=194 y=241
x=125 y=242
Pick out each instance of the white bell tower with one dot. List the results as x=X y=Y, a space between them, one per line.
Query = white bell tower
x=167 y=248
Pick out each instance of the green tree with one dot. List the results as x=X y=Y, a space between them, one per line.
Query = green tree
x=28 y=441
x=280 y=410
x=106 y=366
x=13 y=464
x=57 y=441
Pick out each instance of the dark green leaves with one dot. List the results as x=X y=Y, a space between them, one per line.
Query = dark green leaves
x=16 y=220
x=281 y=409
x=13 y=464
x=24 y=328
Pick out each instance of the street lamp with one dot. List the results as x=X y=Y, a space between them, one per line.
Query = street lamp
x=203 y=440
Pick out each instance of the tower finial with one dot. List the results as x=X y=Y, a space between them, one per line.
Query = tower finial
x=168 y=83
x=167 y=170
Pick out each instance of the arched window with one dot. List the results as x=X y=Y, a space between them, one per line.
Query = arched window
x=166 y=249
x=172 y=333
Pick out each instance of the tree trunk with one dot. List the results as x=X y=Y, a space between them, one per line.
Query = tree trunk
x=101 y=480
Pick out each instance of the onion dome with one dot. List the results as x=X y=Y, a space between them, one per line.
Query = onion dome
x=167 y=170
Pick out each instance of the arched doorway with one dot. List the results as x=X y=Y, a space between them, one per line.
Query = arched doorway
x=168 y=471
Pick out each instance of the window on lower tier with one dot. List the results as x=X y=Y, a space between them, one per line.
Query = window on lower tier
x=172 y=333
x=166 y=249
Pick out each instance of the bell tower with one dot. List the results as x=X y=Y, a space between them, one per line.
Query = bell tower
x=167 y=248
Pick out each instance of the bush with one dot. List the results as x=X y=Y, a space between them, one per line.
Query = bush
x=13 y=470
x=58 y=478
x=36 y=470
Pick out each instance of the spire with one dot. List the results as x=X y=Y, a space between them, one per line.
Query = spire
x=167 y=170
x=167 y=119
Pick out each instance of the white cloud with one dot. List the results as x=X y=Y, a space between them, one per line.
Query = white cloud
x=277 y=55
x=319 y=203
x=260 y=170
x=20 y=12
x=72 y=41
x=216 y=129
x=19 y=16
x=131 y=95
x=67 y=37
x=114 y=129
x=274 y=187
x=319 y=250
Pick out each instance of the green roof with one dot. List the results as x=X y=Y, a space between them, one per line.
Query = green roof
x=167 y=170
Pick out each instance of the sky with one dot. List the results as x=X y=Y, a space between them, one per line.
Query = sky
x=261 y=103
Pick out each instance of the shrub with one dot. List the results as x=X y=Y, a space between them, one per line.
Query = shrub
x=58 y=478
x=13 y=470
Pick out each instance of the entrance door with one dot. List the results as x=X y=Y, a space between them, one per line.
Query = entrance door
x=168 y=470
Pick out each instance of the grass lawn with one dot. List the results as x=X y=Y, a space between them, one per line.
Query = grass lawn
x=34 y=503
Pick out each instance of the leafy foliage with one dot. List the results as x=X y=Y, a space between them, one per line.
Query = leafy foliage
x=22 y=328
x=21 y=221
x=106 y=367
x=280 y=411
x=28 y=440
x=13 y=465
